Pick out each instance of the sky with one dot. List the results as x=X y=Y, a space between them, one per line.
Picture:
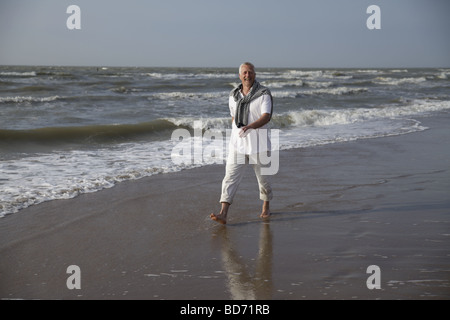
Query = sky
x=219 y=33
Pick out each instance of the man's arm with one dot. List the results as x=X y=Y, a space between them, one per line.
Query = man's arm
x=263 y=120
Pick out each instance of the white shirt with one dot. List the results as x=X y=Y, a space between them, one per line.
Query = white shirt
x=257 y=140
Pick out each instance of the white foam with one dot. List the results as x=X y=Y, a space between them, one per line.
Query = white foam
x=187 y=76
x=303 y=74
x=369 y=71
x=20 y=99
x=399 y=71
x=336 y=91
x=202 y=123
x=443 y=75
x=327 y=91
x=190 y=95
x=318 y=84
x=282 y=84
x=328 y=117
x=64 y=175
x=18 y=74
x=330 y=134
x=396 y=82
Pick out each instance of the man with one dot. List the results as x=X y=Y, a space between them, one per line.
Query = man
x=251 y=106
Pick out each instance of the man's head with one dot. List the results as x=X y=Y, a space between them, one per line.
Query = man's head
x=247 y=74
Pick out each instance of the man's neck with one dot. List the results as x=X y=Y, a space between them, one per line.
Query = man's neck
x=246 y=89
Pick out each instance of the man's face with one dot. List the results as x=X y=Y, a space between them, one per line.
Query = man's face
x=247 y=75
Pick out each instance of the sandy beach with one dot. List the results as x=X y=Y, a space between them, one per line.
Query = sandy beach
x=337 y=210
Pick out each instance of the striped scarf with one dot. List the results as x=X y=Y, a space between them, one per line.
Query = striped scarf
x=242 y=104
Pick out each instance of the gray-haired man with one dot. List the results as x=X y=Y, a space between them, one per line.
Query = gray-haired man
x=251 y=107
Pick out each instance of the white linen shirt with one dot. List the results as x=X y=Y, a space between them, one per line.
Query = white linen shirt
x=257 y=140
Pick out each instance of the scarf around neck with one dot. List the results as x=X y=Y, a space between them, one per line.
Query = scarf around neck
x=243 y=104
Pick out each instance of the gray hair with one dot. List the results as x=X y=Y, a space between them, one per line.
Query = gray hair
x=249 y=64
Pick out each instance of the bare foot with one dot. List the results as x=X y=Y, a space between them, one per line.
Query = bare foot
x=265 y=210
x=265 y=214
x=220 y=218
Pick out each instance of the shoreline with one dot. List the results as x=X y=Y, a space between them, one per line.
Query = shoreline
x=337 y=210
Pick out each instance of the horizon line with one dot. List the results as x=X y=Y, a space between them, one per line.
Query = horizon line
x=222 y=67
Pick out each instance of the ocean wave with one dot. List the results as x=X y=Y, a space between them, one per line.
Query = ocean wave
x=21 y=99
x=123 y=89
x=190 y=76
x=324 y=91
x=329 y=117
x=375 y=128
x=337 y=91
x=369 y=71
x=87 y=134
x=306 y=75
x=323 y=117
x=191 y=95
x=282 y=84
x=443 y=75
x=337 y=75
x=396 y=82
x=320 y=118
x=202 y=123
x=18 y=74
x=159 y=129
x=65 y=175
x=318 y=84
x=303 y=74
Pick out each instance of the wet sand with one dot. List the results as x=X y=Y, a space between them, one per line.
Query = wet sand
x=337 y=210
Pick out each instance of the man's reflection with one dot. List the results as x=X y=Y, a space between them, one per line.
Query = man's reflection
x=242 y=284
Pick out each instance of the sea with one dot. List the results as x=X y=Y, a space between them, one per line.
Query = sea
x=65 y=131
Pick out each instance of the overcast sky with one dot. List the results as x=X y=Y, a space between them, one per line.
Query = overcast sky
x=224 y=33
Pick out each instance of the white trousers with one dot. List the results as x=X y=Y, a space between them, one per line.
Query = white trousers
x=236 y=164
